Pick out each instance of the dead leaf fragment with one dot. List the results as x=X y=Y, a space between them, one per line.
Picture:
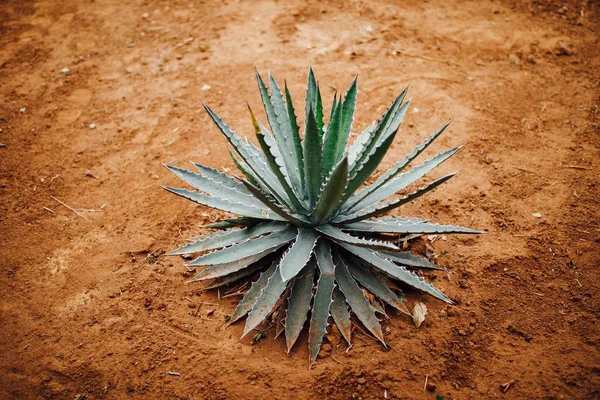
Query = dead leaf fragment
x=418 y=313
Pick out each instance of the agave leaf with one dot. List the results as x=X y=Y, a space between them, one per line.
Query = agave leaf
x=226 y=268
x=248 y=173
x=247 y=248
x=291 y=136
x=213 y=182
x=314 y=102
x=334 y=105
x=372 y=195
x=227 y=238
x=396 y=271
x=312 y=158
x=288 y=143
x=348 y=108
x=379 y=131
x=409 y=259
x=341 y=315
x=294 y=219
x=357 y=300
x=251 y=156
x=291 y=112
x=397 y=168
x=265 y=301
x=224 y=204
x=274 y=159
x=336 y=234
x=376 y=286
x=235 y=276
x=359 y=143
x=331 y=193
x=403 y=226
x=245 y=305
x=281 y=310
x=322 y=301
x=334 y=142
x=299 y=304
x=381 y=208
x=375 y=150
x=233 y=222
x=299 y=253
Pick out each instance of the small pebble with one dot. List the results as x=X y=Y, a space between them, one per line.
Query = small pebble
x=92 y=126
x=65 y=70
x=537 y=215
x=206 y=87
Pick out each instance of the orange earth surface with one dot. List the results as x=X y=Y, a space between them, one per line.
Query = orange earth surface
x=96 y=94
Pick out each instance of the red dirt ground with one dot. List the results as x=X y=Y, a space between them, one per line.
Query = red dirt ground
x=88 y=311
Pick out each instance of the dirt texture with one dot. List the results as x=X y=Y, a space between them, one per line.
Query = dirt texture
x=96 y=95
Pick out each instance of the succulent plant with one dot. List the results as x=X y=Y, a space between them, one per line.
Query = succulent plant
x=305 y=227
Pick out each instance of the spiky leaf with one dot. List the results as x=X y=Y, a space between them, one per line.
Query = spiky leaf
x=247 y=248
x=336 y=234
x=396 y=271
x=227 y=238
x=331 y=193
x=357 y=300
x=341 y=315
x=299 y=304
x=299 y=253
x=322 y=301
x=245 y=305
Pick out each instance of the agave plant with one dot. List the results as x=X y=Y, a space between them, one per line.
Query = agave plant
x=306 y=227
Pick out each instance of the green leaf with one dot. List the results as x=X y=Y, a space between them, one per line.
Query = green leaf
x=403 y=226
x=331 y=193
x=245 y=169
x=299 y=304
x=265 y=301
x=224 y=204
x=246 y=248
x=375 y=150
x=381 y=208
x=396 y=271
x=348 y=108
x=376 y=286
x=289 y=145
x=357 y=300
x=392 y=172
x=409 y=259
x=334 y=141
x=221 y=239
x=274 y=159
x=251 y=156
x=214 y=188
x=312 y=158
x=249 y=299
x=322 y=301
x=314 y=102
x=294 y=219
x=233 y=222
x=358 y=146
x=336 y=234
x=235 y=276
x=371 y=195
x=223 y=269
x=381 y=130
x=299 y=253
x=341 y=315
x=291 y=112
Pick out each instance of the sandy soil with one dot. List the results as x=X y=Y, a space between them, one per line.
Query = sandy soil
x=88 y=310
